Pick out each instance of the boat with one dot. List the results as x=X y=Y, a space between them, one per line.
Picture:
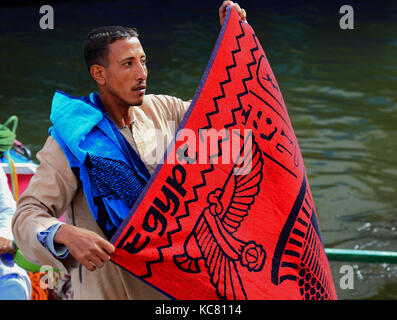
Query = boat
x=15 y=159
x=21 y=168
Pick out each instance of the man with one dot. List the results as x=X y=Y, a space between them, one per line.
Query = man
x=88 y=171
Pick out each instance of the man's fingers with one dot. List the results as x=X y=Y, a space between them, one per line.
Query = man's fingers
x=224 y=4
x=241 y=12
x=222 y=10
x=89 y=265
x=243 y=15
x=229 y=3
x=93 y=261
x=106 y=246
x=99 y=255
x=103 y=255
x=97 y=261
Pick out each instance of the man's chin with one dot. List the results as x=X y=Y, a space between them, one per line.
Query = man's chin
x=137 y=102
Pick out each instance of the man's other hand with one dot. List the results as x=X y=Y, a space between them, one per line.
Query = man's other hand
x=85 y=246
x=222 y=11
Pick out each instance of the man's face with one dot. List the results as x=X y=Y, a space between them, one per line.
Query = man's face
x=126 y=72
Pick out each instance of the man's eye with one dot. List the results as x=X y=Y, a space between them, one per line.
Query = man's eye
x=127 y=63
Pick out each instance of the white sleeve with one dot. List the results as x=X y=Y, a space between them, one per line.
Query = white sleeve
x=7 y=207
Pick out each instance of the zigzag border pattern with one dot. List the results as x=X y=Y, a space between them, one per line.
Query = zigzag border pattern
x=222 y=84
x=215 y=99
x=216 y=111
x=250 y=77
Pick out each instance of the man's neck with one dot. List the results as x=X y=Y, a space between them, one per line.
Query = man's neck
x=117 y=111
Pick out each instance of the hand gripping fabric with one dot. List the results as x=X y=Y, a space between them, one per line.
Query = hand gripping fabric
x=230 y=214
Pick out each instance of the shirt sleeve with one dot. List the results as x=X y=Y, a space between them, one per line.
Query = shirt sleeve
x=7 y=207
x=46 y=238
x=181 y=107
x=174 y=108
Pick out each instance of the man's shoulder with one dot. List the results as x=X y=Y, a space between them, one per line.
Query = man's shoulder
x=51 y=145
x=167 y=102
x=52 y=151
x=162 y=99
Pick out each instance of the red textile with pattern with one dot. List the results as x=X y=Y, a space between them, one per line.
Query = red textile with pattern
x=237 y=221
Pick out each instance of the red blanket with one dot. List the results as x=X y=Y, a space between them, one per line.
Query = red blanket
x=230 y=215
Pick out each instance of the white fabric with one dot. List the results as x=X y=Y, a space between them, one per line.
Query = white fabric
x=7 y=207
x=14 y=281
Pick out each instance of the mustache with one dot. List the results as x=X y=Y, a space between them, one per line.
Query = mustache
x=139 y=86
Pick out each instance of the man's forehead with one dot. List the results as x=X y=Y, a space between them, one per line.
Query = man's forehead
x=123 y=48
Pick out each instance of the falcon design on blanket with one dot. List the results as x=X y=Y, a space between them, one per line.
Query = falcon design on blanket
x=229 y=213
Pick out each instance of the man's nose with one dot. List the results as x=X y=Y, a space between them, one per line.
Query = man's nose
x=141 y=72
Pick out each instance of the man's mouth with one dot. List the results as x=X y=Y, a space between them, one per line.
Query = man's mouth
x=139 y=89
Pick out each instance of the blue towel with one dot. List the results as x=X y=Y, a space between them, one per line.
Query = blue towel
x=110 y=171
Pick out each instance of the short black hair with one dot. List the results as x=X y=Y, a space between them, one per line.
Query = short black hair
x=96 y=44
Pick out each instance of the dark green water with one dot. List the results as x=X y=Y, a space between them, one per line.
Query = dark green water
x=339 y=87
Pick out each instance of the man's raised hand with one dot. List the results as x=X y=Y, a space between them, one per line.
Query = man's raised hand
x=222 y=11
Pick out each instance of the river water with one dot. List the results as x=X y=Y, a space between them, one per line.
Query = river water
x=339 y=87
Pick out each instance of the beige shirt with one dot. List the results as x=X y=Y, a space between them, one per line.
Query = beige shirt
x=55 y=190
x=154 y=126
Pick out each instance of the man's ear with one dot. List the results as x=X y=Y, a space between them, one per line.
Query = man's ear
x=98 y=74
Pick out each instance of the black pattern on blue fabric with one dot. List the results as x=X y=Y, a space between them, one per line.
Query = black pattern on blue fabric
x=114 y=179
